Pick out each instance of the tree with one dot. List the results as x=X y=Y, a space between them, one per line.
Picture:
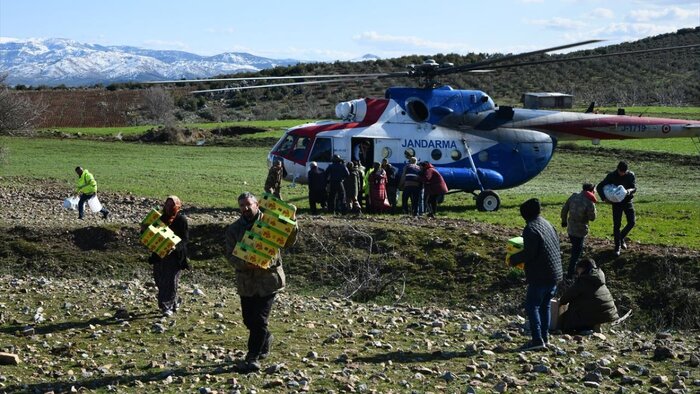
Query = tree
x=16 y=112
x=159 y=105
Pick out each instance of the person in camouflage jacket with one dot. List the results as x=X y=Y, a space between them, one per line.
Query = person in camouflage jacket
x=578 y=210
x=273 y=183
x=256 y=286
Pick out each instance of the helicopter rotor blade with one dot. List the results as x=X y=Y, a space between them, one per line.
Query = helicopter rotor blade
x=321 y=82
x=479 y=65
x=267 y=78
x=586 y=57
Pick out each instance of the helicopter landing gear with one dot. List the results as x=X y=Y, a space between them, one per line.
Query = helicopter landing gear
x=488 y=201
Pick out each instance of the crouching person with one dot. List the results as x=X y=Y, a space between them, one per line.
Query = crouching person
x=590 y=301
x=256 y=286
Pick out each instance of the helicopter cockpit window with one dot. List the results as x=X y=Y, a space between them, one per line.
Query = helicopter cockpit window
x=322 y=150
x=286 y=145
x=436 y=154
x=456 y=155
x=417 y=110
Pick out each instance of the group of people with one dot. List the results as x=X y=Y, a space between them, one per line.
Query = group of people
x=349 y=187
x=589 y=301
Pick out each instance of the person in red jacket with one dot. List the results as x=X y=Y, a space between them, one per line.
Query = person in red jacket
x=434 y=185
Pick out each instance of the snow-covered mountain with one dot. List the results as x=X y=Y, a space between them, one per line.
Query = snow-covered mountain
x=58 y=61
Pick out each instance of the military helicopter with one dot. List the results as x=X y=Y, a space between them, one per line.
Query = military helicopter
x=476 y=146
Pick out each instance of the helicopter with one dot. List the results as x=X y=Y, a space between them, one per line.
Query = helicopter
x=477 y=146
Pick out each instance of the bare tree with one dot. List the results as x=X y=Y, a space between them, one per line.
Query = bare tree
x=159 y=106
x=17 y=112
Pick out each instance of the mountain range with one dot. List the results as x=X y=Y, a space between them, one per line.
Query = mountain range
x=57 y=61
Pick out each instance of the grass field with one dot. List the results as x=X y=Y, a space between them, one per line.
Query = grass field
x=213 y=176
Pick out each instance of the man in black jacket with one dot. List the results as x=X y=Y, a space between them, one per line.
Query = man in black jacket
x=542 y=258
x=621 y=176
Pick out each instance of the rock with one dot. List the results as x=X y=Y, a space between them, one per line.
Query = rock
x=663 y=335
x=9 y=359
x=663 y=353
x=593 y=377
x=273 y=384
x=600 y=336
x=694 y=360
x=501 y=387
x=448 y=376
x=541 y=368
x=591 y=384
x=197 y=292
x=660 y=379
x=121 y=314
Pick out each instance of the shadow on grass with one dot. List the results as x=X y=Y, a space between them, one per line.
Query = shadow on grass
x=410 y=357
x=114 y=380
x=42 y=329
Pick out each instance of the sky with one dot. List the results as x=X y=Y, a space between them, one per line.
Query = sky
x=342 y=30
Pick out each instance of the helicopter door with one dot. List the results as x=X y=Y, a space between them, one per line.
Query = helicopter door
x=389 y=149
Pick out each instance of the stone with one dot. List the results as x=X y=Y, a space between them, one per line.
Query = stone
x=694 y=360
x=663 y=353
x=501 y=387
x=659 y=379
x=593 y=377
x=9 y=359
x=591 y=384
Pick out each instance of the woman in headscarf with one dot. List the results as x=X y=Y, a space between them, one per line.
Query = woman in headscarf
x=166 y=270
x=377 y=189
x=434 y=184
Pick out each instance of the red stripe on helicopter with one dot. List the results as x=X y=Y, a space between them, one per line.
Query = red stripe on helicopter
x=586 y=128
x=375 y=109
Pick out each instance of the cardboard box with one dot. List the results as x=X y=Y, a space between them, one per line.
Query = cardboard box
x=555 y=313
x=514 y=246
x=148 y=234
x=273 y=203
x=151 y=217
x=282 y=223
x=269 y=233
x=260 y=244
x=252 y=256
x=167 y=245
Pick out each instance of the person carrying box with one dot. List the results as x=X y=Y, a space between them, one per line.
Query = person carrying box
x=256 y=286
x=167 y=269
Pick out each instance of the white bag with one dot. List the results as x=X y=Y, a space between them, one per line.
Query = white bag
x=614 y=193
x=94 y=204
x=71 y=203
x=555 y=312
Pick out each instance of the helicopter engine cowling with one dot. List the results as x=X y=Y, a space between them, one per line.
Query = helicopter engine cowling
x=351 y=111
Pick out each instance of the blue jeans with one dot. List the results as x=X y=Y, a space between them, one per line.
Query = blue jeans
x=538 y=308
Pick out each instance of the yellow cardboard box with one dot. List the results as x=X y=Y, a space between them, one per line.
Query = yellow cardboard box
x=273 y=203
x=270 y=233
x=159 y=237
x=260 y=244
x=151 y=217
x=167 y=245
x=282 y=223
x=514 y=246
x=252 y=256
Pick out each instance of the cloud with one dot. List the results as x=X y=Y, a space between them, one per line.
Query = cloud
x=558 y=23
x=670 y=13
x=633 y=31
x=531 y=1
x=602 y=13
x=407 y=43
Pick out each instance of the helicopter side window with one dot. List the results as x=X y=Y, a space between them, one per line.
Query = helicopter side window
x=322 y=150
x=300 y=148
x=436 y=154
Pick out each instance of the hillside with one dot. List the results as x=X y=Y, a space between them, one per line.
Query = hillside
x=661 y=79
x=79 y=310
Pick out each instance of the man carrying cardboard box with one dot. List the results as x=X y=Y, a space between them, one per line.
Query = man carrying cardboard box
x=256 y=286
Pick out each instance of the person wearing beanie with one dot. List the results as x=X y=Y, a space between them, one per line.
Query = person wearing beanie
x=578 y=210
x=624 y=177
x=542 y=259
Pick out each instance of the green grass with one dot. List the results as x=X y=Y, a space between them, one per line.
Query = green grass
x=680 y=146
x=667 y=207
x=274 y=127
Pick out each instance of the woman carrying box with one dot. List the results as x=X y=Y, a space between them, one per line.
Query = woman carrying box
x=166 y=270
